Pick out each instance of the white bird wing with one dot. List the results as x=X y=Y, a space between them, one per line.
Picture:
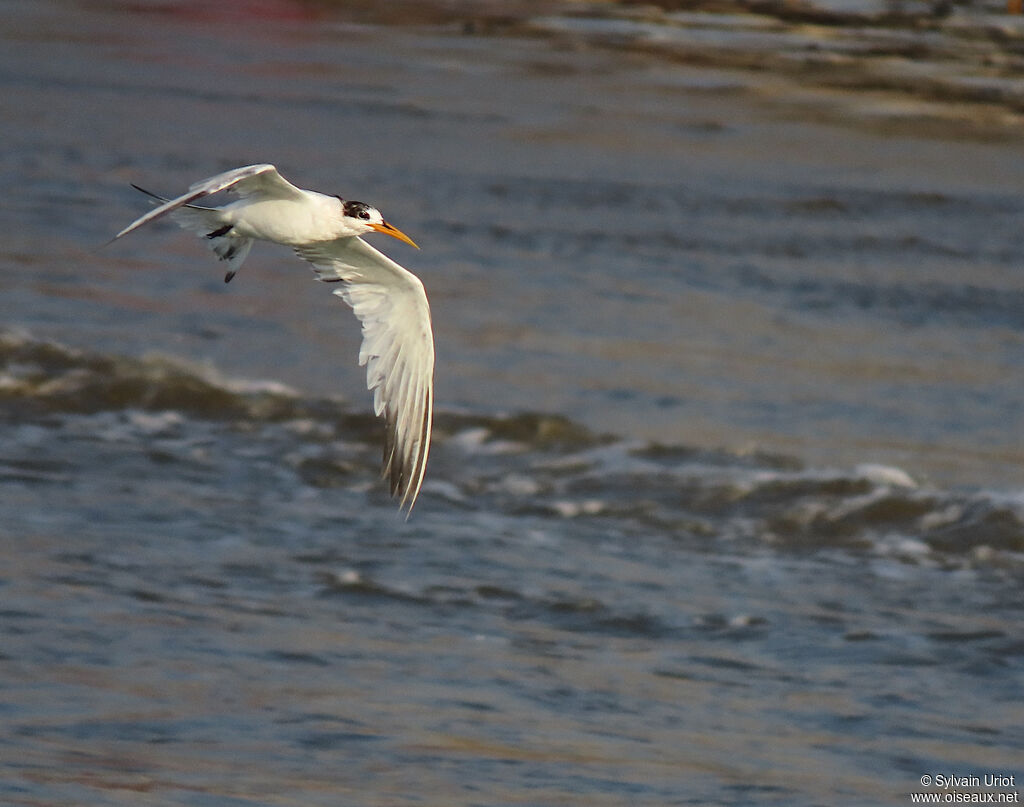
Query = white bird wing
x=397 y=350
x=251 y=180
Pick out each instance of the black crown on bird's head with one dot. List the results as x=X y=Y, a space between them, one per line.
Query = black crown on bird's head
x=359 y=210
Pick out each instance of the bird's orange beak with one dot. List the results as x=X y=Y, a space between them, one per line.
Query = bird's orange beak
x=394 y=232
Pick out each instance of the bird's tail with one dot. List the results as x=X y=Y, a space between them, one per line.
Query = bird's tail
x=208 y=223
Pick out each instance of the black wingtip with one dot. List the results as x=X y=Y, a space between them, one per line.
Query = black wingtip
x=148 y=193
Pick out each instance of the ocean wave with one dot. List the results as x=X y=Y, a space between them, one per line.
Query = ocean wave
x=520 y=465
x=55 y=378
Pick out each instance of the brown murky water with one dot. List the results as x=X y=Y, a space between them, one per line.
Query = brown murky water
x=754 y=280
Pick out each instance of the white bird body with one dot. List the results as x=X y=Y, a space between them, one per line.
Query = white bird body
x=293 y=222
x=389 y=301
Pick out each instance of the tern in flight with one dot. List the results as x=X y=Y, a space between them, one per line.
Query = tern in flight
x=389 y=301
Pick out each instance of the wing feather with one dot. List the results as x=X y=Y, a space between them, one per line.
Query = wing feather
x=397 y=350
x=250 y=180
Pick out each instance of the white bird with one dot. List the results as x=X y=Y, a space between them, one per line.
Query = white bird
x=398 y=343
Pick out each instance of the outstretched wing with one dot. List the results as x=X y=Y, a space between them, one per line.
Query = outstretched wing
x=252 y=180
x=397 y=350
